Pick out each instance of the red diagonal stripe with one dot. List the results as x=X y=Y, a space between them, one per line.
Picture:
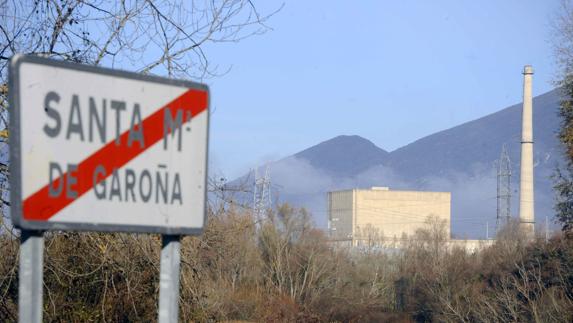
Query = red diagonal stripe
x=40 y=206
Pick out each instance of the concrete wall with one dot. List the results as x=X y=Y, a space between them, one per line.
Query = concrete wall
x=341 y=214
x=382 y=214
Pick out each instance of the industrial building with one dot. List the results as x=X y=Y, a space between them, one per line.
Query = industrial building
x=357 y=216
x=383 y=218
x=388 y=218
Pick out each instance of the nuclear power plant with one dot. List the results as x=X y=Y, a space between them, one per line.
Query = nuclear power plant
x=358 y=217
x=383 y=218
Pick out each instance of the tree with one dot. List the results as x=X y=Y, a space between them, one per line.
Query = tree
x=564 y=54
x=168 y=38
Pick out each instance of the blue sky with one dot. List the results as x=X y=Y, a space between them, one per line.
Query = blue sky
x=390 y=71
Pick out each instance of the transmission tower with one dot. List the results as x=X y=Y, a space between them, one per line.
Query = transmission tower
x=503 y=189
x=261 y=194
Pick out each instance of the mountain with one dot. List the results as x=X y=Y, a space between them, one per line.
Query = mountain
x=461 y=160
x=479 y=141
x=344 y=155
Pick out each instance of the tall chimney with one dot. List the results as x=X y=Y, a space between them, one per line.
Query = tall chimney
x=526 y=201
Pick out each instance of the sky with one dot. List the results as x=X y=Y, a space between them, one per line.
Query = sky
x=390 y=71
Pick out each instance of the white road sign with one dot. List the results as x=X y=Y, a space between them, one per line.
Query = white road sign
x=105 y=150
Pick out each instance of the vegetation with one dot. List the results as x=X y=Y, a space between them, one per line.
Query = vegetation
x=284 y=270
x=564 y=54
x=564 y=185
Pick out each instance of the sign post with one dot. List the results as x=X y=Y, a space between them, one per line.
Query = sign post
x=169 y=279
x=94 y=149
x=30 y=289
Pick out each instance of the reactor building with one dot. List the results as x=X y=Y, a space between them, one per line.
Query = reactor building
x=357 y=216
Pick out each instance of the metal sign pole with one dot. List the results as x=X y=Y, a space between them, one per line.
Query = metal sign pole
x=169 y=278
x=30 y=289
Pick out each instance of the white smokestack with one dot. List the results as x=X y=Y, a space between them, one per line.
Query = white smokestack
x=526 y=201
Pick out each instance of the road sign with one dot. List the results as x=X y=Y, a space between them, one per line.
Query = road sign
x=106 y=150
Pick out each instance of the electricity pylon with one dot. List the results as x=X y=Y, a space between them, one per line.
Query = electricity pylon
x=261 y=194
x=503 y=189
